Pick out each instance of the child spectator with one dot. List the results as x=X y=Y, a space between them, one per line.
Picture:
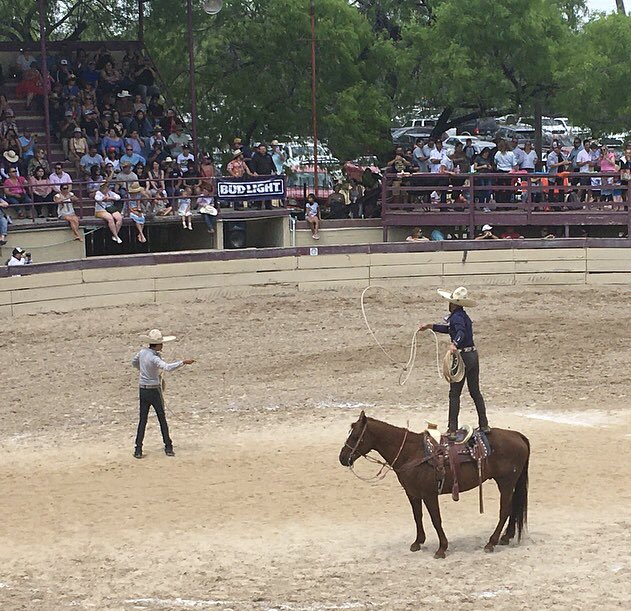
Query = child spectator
x=184 y=208
x=312 y=214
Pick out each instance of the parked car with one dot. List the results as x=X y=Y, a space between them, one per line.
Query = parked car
x=300 y=153
x=478 y=144
x=522 y=132
x=484 y=127
x=301 y=182
x=409 y=135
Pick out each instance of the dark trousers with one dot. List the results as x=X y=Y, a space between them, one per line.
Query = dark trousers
x=152 y=397
x=472 y=377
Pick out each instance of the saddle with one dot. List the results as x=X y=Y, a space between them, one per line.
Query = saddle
x=442 y=452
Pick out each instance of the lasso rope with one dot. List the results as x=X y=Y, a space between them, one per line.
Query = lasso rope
x=407 y=368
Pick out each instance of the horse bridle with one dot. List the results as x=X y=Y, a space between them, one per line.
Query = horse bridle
x=384 y=465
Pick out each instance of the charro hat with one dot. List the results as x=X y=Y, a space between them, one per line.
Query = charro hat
x=134 y=188
x=155 y=337
x=459 y=296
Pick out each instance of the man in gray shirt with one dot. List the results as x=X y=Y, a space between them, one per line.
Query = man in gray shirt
x=149 y=362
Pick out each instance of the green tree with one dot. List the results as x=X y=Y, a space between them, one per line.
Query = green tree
x=254 y=71
x=594 y=81
x=478 y=57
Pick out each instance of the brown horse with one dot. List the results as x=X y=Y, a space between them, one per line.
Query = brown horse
x=403 y=452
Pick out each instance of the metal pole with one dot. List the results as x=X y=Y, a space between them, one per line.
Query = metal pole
x=141 y=20
x=314 y=116
x=44 y=71
x=191 y=70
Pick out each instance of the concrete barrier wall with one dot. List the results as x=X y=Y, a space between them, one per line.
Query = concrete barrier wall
x=175 y=282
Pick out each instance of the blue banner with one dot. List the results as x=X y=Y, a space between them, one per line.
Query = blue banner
x=250 y=188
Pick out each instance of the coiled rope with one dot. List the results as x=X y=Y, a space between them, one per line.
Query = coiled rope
x=407 y=368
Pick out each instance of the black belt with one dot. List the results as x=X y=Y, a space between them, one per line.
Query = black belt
x=147 y=387
x=468 y=349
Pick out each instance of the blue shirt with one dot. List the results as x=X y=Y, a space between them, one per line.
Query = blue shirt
x=134 y=159
x=459 y=327
x=149 y=363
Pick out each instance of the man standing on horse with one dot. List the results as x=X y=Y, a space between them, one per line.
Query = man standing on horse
x=150 y=364
x=460 y=329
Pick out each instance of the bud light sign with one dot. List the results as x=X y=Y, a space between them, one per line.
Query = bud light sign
x=251 y=188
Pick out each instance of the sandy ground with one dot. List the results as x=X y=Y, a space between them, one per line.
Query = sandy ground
x=255 y=512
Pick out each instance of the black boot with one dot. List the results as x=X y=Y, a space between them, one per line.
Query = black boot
x=138 y=453
x=168 y=450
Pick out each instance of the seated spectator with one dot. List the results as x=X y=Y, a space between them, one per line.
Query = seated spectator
x=90 y=159
x=95 y=180
x=155 y=109
x=113 y=141
x=39 y=161
x=141 y=171
x=4 y=221
x=207 y=174
x=59 y=178
x=173 y=179
x=107 y=206
x=109 y=79
x=145 y=78
x=8 y=123
x=124 y=178
x=139 y=104
x=27 y=142
x=206 y=207
x=191 y=178
x=130 y=157
x=177 y=140
x=66 y=131
x=63 y=73
x=77 y=148
x=117 y=123
x=312 y=215
x=136 y=142
x=184 y=157
x=41 y=192
x=169 y=122
x=19 y=257
x=136 y=212
x=71 y=90
x=487 y=233
x=10 y=161
x=112 y=159
x=102 y=58
x=141 y=124
x=157 y=154
x=158 y=136
x=90 y=126
x=417 y=236
x=127 y=77
x=24 y=61
x=337 y=204
x=125 y=106
x=89 y=74
x=157 y=189
x=65 y=209
x=15 y=190
x=31 y=85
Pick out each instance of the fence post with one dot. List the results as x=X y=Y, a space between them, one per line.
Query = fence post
x=628 y=198
x=384 y=206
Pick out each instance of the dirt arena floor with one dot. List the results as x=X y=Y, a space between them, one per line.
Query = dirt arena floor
x=255 y=511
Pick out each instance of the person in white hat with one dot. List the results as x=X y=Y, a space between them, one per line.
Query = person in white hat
x=487 y=233
x=460 y=329
x=149 y=362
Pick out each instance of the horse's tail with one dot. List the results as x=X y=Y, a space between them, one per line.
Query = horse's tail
x=519 y=509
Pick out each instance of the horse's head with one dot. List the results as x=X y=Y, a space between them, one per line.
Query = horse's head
x=357 y=443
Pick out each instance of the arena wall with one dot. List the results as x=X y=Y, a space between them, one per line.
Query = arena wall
x=115 y=284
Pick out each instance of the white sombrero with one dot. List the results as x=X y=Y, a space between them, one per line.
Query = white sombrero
x=458 y=297
x=155 y=337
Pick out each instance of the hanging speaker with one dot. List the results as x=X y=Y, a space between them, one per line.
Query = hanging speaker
x=212 y=7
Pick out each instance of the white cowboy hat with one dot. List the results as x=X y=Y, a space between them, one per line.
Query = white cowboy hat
x=10 y=156
x=236 y=153
x=487 y=227
x=123 y=94
x=209 y=209
x=134 y=188
x=155 y=337
x=458 y=297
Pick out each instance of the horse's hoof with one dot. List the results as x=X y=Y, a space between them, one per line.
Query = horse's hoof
x=488 y=548
x=439 y=554
x=415 y=547
x=504 y=541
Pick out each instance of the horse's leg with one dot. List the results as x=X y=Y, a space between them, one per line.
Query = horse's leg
x=417 y=510
x=509 y=533
x=506 y=488
x=431 y=502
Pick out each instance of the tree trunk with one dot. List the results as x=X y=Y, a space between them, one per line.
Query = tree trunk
x=620 y=7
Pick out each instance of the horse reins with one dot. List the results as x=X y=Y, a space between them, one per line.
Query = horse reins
x=385 y=466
